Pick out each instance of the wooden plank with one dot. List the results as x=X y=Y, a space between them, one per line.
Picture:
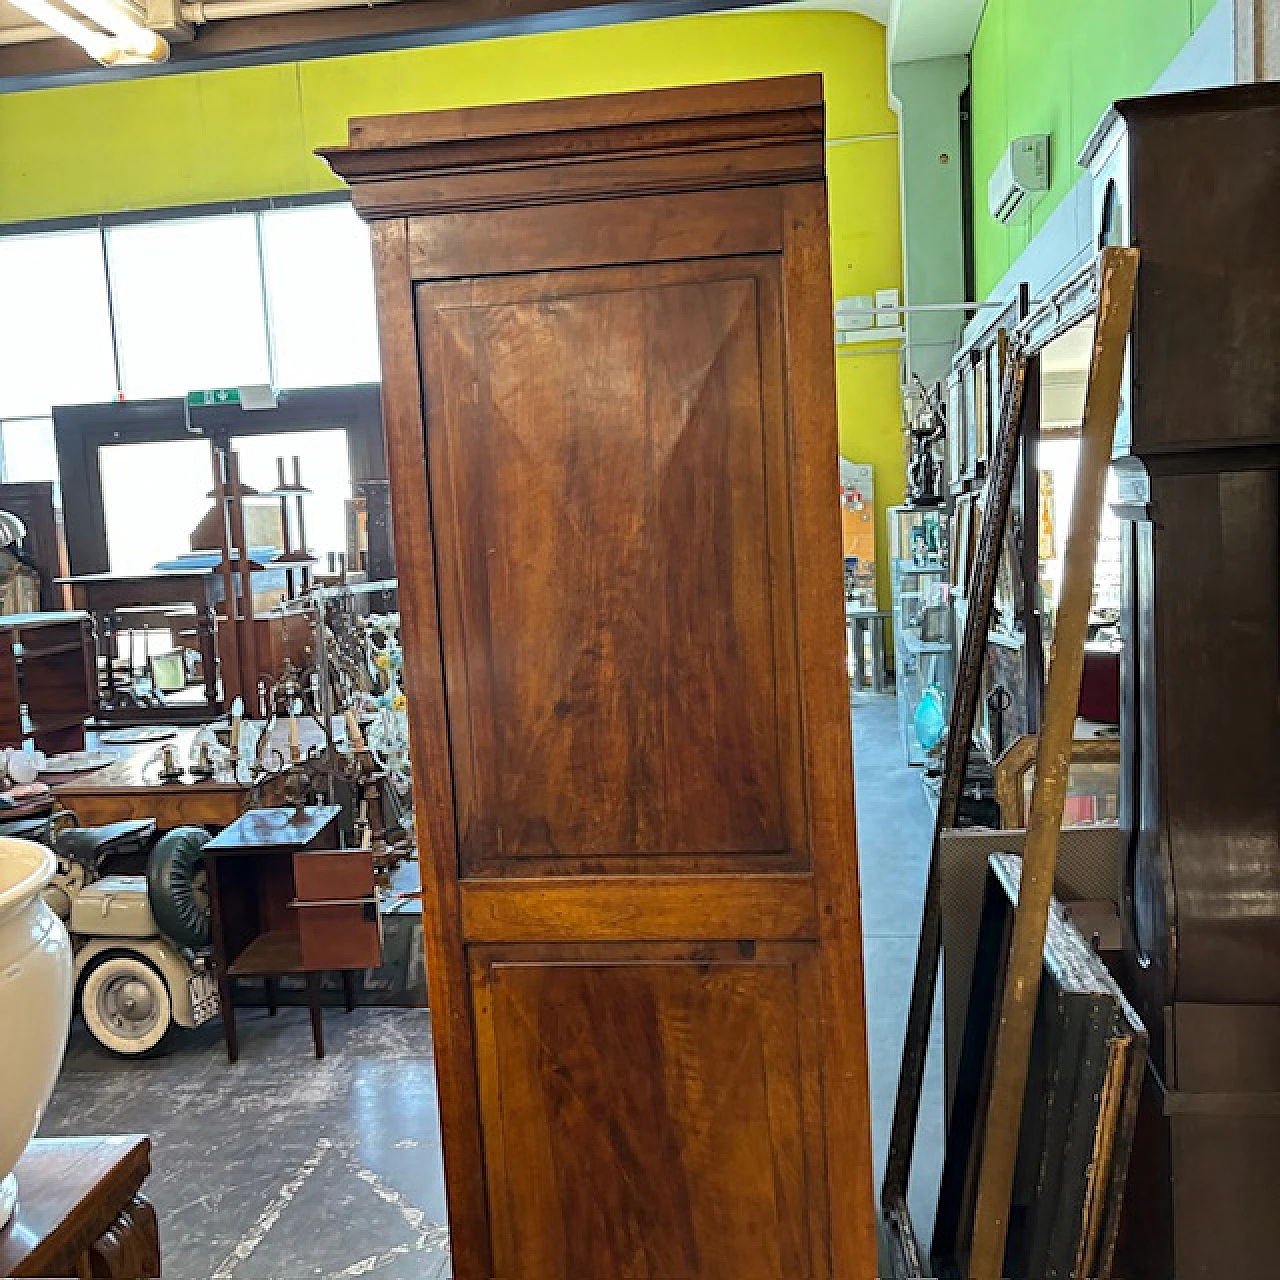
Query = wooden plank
x=495 y=187
x=1053 y=763
x=521 y=124
x=546 y=908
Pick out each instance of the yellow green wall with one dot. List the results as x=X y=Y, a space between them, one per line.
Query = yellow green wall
x=215 y=136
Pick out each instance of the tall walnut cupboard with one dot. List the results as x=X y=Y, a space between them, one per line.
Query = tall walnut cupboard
x=608 y=382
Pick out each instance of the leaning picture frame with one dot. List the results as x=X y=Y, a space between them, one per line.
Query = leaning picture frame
x=956 y=429
x=995 y=356
x=968 y=397
x=981 y=432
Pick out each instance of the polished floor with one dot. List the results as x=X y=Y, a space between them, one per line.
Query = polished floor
x=281 y=1167
x=895 y=830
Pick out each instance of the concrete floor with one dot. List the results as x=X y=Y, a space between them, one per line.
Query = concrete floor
x=895 y=831
x=281 y=1167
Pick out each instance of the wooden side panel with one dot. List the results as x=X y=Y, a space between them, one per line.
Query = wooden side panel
x=608 y=468
x=651 y=1111
x=432 y=782
x=828 y=748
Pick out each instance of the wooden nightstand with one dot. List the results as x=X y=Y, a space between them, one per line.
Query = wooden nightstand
x=286 y=900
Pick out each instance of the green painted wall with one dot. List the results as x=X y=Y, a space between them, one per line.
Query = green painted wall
x=215 y=136
x=1054 y=66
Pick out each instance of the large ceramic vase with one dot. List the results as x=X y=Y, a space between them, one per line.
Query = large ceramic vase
x=35 y=1002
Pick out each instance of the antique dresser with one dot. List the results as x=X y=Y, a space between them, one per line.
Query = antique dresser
x=1194 y=181
x=608 y=384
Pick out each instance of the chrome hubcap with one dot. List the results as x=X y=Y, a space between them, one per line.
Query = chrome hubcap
x=128 y=1005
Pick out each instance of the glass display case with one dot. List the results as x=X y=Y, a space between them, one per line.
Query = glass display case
x=923 y=639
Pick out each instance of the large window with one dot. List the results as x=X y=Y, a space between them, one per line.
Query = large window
x=188 y=305
x=55 y=327
x=28 y=449
x=153 y=495
x=320 y=291
x=322 y=456
x=159 y=308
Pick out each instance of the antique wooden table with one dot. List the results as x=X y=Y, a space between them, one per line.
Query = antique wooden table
x=104 y=594
x=130 y=788
x=80 y=1212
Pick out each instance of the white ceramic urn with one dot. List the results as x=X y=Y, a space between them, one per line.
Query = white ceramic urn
x=35 y=1002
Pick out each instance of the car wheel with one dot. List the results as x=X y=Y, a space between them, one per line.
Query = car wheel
x=125 y=1004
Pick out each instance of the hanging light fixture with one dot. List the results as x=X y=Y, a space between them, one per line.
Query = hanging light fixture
x=138 y=43
x=129 y=42
x=99 y=47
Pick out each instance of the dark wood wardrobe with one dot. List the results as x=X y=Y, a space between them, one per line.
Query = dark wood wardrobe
x=1193 y=180
x=609 y=396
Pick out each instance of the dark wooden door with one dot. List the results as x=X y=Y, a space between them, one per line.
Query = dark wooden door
x=611 y=438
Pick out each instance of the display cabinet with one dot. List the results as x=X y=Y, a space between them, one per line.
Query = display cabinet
x=923 y=637
x=1193 y=180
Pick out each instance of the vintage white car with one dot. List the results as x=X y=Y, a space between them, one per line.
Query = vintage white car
x=139 y=939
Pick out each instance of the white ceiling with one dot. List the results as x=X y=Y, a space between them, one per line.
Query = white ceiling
x=917 y=28
x=932 y=28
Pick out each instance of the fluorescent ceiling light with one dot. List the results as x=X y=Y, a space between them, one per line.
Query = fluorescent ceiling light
x=136 y=40
x=99 y=47
x=129 y=41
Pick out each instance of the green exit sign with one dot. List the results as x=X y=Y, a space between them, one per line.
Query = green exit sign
x=218 y=395
x=255 y=396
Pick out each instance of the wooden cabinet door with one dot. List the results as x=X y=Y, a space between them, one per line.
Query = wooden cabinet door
x=613 y=488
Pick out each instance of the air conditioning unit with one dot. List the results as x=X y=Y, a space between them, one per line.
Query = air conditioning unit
x=1022 y=172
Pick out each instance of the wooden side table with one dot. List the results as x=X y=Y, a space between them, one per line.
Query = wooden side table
x=80 y=1212
x=285 y=900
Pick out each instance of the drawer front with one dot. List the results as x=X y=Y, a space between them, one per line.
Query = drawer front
x=338 y=920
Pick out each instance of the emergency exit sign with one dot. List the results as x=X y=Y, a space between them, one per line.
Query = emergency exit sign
x=257 y=396
x=218 y=395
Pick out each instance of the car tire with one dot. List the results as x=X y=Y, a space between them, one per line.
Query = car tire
x=179 y=902
x=126 y=1005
